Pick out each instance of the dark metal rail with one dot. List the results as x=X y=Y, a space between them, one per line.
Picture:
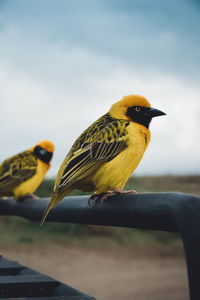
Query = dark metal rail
x=173 y=212
x=20 y=282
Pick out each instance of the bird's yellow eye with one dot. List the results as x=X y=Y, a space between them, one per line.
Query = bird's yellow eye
x=137 y=108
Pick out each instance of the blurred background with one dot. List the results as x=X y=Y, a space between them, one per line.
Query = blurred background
x=63 y=63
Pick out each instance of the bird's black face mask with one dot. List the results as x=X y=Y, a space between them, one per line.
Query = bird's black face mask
x=43 y=154
x=143 y=115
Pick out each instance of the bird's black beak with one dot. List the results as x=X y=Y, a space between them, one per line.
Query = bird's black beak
x=155 y=112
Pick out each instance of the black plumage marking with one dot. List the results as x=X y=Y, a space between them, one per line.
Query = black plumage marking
x=43 y=154
x=94 y=130
x=75 y=161
x=4 y=178
x=14 y=172
x=84 y=145
x=143 y=116
x=73 y=165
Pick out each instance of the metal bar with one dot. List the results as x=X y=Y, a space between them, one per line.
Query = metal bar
x=146 y=211
x=173 y=212
x=26 y=286
x=9 y=267
x=30 y=284
x=54 y=298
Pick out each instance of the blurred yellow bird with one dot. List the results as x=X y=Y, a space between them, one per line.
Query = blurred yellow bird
x=105 y=155
x=21 y=174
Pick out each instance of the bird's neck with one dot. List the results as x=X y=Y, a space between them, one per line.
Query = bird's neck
x=118 y=112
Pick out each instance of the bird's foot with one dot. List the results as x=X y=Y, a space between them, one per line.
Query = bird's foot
x=103 y=196
x=112 y=192
x=32 y=196
x=27 y=196
x=92 y=197
x=119 y=191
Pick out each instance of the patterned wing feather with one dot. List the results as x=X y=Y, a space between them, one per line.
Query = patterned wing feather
x=16 y=170
x=100 y=143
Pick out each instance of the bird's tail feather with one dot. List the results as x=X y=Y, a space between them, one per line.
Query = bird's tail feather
x=55 y=198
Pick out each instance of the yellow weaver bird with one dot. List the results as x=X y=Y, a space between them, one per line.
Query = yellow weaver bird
x=21 y=174
x=105 y=155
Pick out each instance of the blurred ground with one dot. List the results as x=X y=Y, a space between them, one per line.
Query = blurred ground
x=110 y=274
x=105 y=262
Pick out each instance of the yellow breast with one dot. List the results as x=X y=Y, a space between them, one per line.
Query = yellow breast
x=30 y=185
x=114 y=174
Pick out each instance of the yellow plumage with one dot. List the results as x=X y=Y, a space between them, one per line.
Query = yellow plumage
x=21 y=174
x=30 y=185
x=106 y=154
x=119 y=169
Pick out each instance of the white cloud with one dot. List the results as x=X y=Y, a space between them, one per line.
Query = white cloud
x=55 y=88
x=33 y=110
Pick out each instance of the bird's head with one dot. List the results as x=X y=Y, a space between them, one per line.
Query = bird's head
x=44 y=151
x=136 y=109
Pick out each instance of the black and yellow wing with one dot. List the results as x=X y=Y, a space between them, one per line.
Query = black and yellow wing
x=16 y=170
x=100 y=143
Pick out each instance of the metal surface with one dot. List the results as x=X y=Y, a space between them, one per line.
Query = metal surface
x=173 y=212
x=20 y=282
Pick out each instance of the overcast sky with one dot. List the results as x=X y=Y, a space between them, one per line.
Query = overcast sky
x=64 y=62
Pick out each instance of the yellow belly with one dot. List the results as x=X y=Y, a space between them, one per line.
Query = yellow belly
x=115 y=173
x=30 y=185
